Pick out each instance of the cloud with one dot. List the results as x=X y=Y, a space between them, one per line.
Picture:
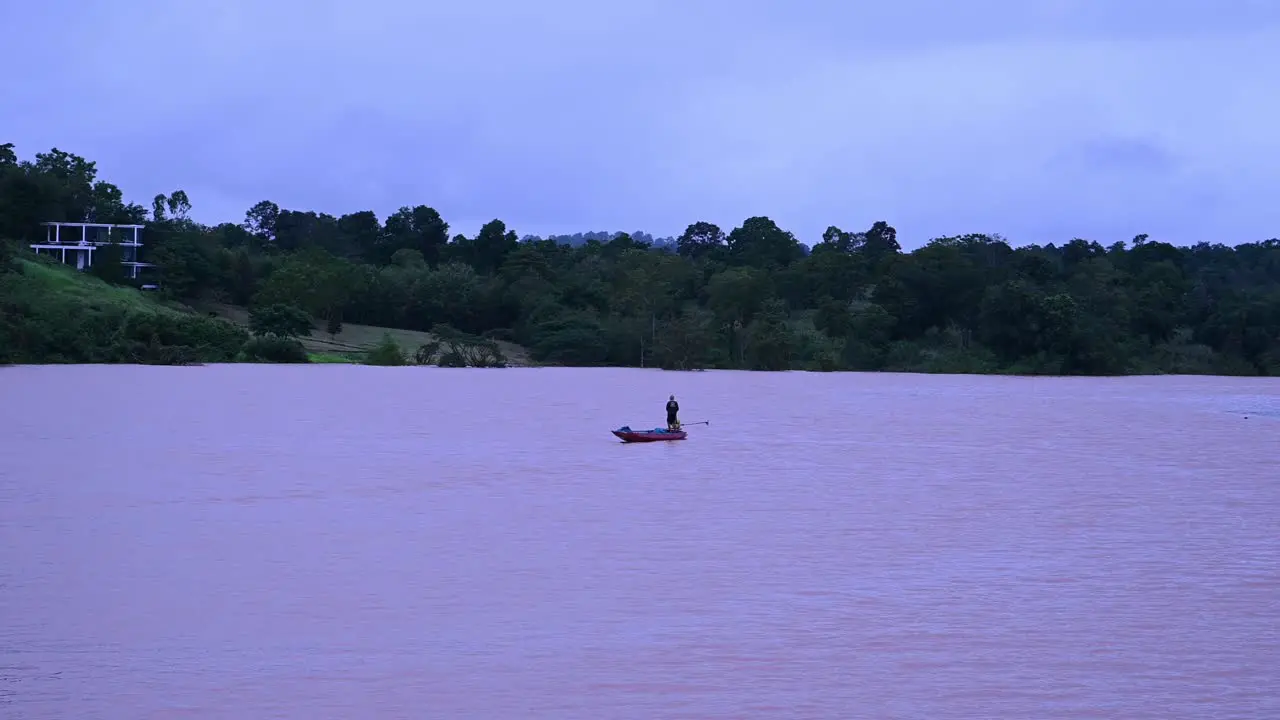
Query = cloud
x=1019 y=137
x=1039 y=120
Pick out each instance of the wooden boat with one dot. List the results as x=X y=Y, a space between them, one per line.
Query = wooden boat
x=627 y=435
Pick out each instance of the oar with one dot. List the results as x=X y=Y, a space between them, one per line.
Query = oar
x=700 y=422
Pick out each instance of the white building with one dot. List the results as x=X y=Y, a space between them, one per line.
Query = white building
x=74 y=243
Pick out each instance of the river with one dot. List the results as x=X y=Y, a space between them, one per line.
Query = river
x=356 y=542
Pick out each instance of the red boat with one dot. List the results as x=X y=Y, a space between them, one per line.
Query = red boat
x=627 y=435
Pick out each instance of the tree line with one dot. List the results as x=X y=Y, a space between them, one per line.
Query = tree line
x=750 y=297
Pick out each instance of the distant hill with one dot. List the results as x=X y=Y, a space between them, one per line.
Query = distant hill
x=600 y=236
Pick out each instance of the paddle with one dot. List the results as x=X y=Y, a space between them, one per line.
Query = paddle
x=700 y=422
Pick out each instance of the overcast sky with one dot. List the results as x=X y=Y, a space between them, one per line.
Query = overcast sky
x=1041 y=120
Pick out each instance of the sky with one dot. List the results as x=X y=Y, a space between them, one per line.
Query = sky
x=1039 y=120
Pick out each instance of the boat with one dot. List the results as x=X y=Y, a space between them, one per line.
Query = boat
x=627 y=435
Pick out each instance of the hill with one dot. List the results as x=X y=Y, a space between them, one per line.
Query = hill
x=750 y=297
x=53 y=314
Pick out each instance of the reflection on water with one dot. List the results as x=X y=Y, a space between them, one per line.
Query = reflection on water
x=330 y=541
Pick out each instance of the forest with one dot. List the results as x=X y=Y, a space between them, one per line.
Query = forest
x=751 y=297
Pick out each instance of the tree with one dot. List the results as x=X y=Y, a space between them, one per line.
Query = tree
x=360 y=233
x=492 y=245
x=107 y=205
x=420 y=229
x=179 y=206
x=107 y=264
x=700 y=240
x=879 y=243
x=759 y=242
x=735 y=296
x=466 y=350
x=310 y=231
x=174 y=207
x=182 y=257
x=647 y=288
x=279 y=320
x=313 y=281
x=6 y=254
x=755 y=298
x=687 y=340
x=260 y=221
x=836 y=240
x=71 y=179
x=386 y=353
x=242 y=277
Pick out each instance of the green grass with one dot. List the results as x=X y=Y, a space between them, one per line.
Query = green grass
x=67 y=283
x=354 y=341
x=51 y=313
x=44 y=283
x=41 y=281
x=324 y=358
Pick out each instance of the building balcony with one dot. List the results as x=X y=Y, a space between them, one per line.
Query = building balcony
x=69 y=234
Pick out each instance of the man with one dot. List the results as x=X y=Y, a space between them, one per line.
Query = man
x=673 y=408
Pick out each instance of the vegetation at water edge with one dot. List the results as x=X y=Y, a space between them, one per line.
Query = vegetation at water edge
x=752 y=297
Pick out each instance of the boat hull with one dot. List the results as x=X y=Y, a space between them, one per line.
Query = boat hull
x=627 y=435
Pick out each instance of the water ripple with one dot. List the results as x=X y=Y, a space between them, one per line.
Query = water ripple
x=245 y=541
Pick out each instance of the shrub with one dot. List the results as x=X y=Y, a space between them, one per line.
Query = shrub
x=284 y=321
x=387 y=353
x=273 y=349
x=427 y=353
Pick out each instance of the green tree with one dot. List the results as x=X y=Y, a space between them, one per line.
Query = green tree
x=386 y=353
x=492 y=245
x=260 y=221
x=755 y=298
x=279 y=320
x=7 y=264
x=701 y=239
x=770 y=343
x=107 y=265
x=311 y=280
x=759 y=242
x=735 y=296
x=647 y=289
x=420 y=229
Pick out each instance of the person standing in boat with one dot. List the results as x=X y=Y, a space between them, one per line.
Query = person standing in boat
x=673 y=409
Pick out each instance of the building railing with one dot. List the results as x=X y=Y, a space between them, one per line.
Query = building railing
x=69 y=234
x=68 y=243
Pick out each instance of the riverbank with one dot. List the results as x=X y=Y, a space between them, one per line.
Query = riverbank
x=53 y=314
x=50 y=313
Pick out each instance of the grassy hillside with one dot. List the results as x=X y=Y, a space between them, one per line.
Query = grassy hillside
x=38 y=281
x=354 y=341
x=50 y=313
